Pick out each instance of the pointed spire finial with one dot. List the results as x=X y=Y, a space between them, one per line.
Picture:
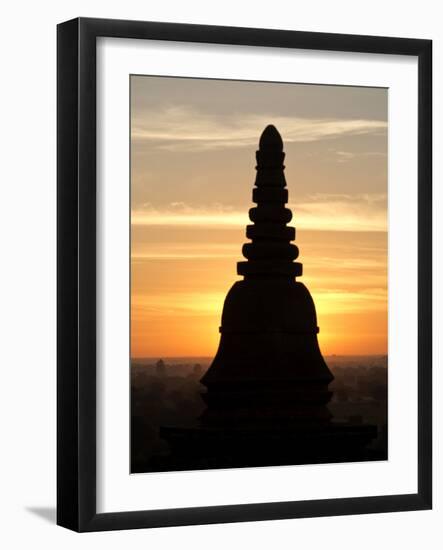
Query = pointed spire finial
x=270 y=158
x=270 y=254
x=271 y=139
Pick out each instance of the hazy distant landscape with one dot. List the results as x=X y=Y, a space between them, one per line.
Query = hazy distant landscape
x=166 y=392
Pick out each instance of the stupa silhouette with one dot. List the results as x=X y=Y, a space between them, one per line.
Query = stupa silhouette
x=267 y=387
x=268 y=366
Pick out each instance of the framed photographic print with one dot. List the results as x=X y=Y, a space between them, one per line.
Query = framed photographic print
x=244 y=274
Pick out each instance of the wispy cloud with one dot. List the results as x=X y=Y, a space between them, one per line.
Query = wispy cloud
x=180 y=128
x=179 y=304
x=346 y=156
x=186 y=251
x=362 y=212
x=367 y=299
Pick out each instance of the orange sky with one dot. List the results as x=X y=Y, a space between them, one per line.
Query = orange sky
x=192 y=175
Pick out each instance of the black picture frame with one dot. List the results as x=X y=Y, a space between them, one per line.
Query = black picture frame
x=76 y=274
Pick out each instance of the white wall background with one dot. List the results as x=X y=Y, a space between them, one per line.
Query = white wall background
x=27 y=275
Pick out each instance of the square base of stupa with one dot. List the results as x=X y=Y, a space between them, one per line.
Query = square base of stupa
x=209 y=448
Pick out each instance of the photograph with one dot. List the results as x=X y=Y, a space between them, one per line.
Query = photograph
x=258 y=274
x=221 y=256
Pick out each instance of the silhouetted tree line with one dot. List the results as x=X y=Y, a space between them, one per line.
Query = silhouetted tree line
x=159 y=399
